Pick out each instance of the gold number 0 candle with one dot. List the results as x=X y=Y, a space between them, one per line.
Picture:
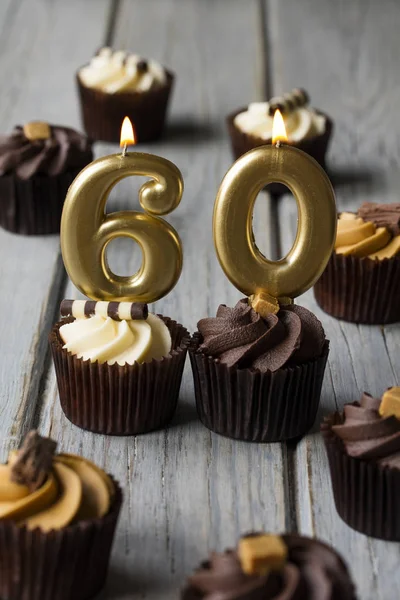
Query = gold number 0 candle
x=243 y=263
x=86 y=229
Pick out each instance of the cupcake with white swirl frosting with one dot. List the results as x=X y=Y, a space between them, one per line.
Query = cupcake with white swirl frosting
x=116 y=84
x=308 y=129
x=118 y=367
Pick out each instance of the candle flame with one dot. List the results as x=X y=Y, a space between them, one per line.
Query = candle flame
x=278 y=128
x=127 y=133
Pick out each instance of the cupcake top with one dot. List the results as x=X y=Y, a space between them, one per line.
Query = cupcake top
x=114 y=72
x=114 y=332
x=373 y=232
x=39 y=488
x=271 y=567
x=40 y=148
x=301 y=121
x=241 y=337
x=371 y=428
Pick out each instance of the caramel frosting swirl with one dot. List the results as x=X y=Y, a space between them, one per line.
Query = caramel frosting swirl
x=64 y=150
x=116 y=72
x=368 y=435
x=105 y=340
x=312 y=570
x=240 y=337
x=74 y=489
x=368 y=238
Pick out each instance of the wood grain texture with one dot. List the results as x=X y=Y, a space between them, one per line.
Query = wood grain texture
x=37 y=62
x=352 y=77
x=186 y=490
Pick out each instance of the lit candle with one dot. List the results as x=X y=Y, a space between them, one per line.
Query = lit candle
x=243 y=263
x=86 y=229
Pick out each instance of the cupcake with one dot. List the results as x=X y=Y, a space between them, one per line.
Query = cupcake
x=258 y=375
x=361 y=282
x=58 y=514
x=38 y=162
x=308 y=129
x=363 y=447
x=272 y=567
x=118 y=367
x=117 y=84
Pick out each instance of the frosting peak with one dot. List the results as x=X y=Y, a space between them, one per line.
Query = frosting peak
x=368 y=435
x=65 y=150
x=240 y=337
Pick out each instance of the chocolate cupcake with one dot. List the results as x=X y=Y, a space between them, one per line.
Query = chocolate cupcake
x=38 y=162
x=272 y=567
x=308 y=129
x=361 y=282
x=115 y=85
x=58 y=515
x=259 y=378
x=118 y=368
x=363 y=447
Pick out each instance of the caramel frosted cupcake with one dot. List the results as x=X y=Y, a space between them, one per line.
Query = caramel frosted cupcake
x=259 y=378
x=58 y=514
x=361 y=282
x=118 y=367
x=272 y=567
x=363 y=446
x=308 y=129
x=116 y=84
x=38 y=162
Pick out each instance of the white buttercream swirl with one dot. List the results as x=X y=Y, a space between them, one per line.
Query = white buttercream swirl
x=123 y=342
x=301 y=123
x=114 y=72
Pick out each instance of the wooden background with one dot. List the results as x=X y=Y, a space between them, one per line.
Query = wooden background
x=187 y=490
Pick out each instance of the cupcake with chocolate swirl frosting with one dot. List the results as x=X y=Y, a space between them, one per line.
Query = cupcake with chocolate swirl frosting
x=38 y=162
x=363 y=446
x=271 y=567
x=258 y=378
x=361 y=282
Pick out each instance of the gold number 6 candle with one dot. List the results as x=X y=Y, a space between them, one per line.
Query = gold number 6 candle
x=241 y=260
x=86 y=229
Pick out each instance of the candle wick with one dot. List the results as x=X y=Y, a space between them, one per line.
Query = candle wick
x=124 y=149
x=278 y=143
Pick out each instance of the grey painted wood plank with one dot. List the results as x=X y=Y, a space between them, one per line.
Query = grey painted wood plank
x=37 y=62
x=346 y=59
x=186 y=490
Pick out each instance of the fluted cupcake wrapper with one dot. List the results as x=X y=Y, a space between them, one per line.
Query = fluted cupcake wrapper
x=360 y=290
x=103 y=113
x=366 y=494
x=242 y=142
x=33 y=206
x=115 y=399
x=247 y=405
x=61 y=564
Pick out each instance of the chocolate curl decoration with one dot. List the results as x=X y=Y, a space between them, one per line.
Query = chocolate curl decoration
x=118 y=311
x=34 y=461
x=289 y=101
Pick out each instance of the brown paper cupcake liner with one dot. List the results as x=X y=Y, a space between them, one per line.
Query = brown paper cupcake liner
x=102 y=113
x=360 y=290
x=366 y=494
x=61 y=564
x=115 y=399
x=247 y=405
x=33 y=206
x=316 y=147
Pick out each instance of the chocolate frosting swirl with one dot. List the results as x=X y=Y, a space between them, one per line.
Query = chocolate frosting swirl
x=365 y=434
x=65 y=150
x=240 y=337
x=383 y=215
x=313 y=571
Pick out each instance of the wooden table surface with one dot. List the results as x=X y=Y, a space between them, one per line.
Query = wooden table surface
x=187 y=490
